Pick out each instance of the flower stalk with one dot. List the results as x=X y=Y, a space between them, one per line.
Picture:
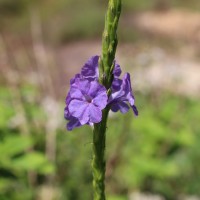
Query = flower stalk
x=109 y=42
x=106 y=67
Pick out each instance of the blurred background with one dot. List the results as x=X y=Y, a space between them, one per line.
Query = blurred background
x=155 y=156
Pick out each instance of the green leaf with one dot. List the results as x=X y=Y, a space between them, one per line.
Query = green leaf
x=13 y=145
x=33 y=161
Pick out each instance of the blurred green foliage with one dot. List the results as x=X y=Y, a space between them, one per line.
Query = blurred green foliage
x=156 y=152
x=159 y=147
x=18 y=157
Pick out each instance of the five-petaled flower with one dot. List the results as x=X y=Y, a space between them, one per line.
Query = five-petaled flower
x=87 y=97
x=85 y=101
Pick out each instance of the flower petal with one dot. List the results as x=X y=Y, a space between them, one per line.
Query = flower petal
x=122 y=106
x=90 y=69
x=72 y=81
x=95 y=114
x=130 y=98
x=73 y=123
x=117 y=70
x=116 y=85
x=135 y=110
x=82 y=84
x=66 y=113
x=122 y=93
x=75 y=93
x=101 y=100
x=98 y=94
x=78 y=109
x=94 y=89
x=68 y=99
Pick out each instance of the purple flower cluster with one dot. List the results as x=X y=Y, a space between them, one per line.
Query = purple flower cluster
x=87 y=97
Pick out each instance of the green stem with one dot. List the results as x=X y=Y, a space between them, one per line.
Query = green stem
x=106 y=66
x=109 y=42
x=98 y=162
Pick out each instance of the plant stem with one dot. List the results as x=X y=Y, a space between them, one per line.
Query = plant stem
x=106 y=66
x=98 y=162
x=109 y=42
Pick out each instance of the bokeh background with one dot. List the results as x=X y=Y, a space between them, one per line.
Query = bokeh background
x=155 y=156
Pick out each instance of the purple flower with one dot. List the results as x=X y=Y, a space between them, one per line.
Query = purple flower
x=90 y=69
x=117 y=70
x=73 y=122
x=84 y=102
x=87 y=98
x=121 y=94
x=121 y=89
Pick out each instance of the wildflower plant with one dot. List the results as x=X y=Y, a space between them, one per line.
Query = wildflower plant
x=95 y=91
